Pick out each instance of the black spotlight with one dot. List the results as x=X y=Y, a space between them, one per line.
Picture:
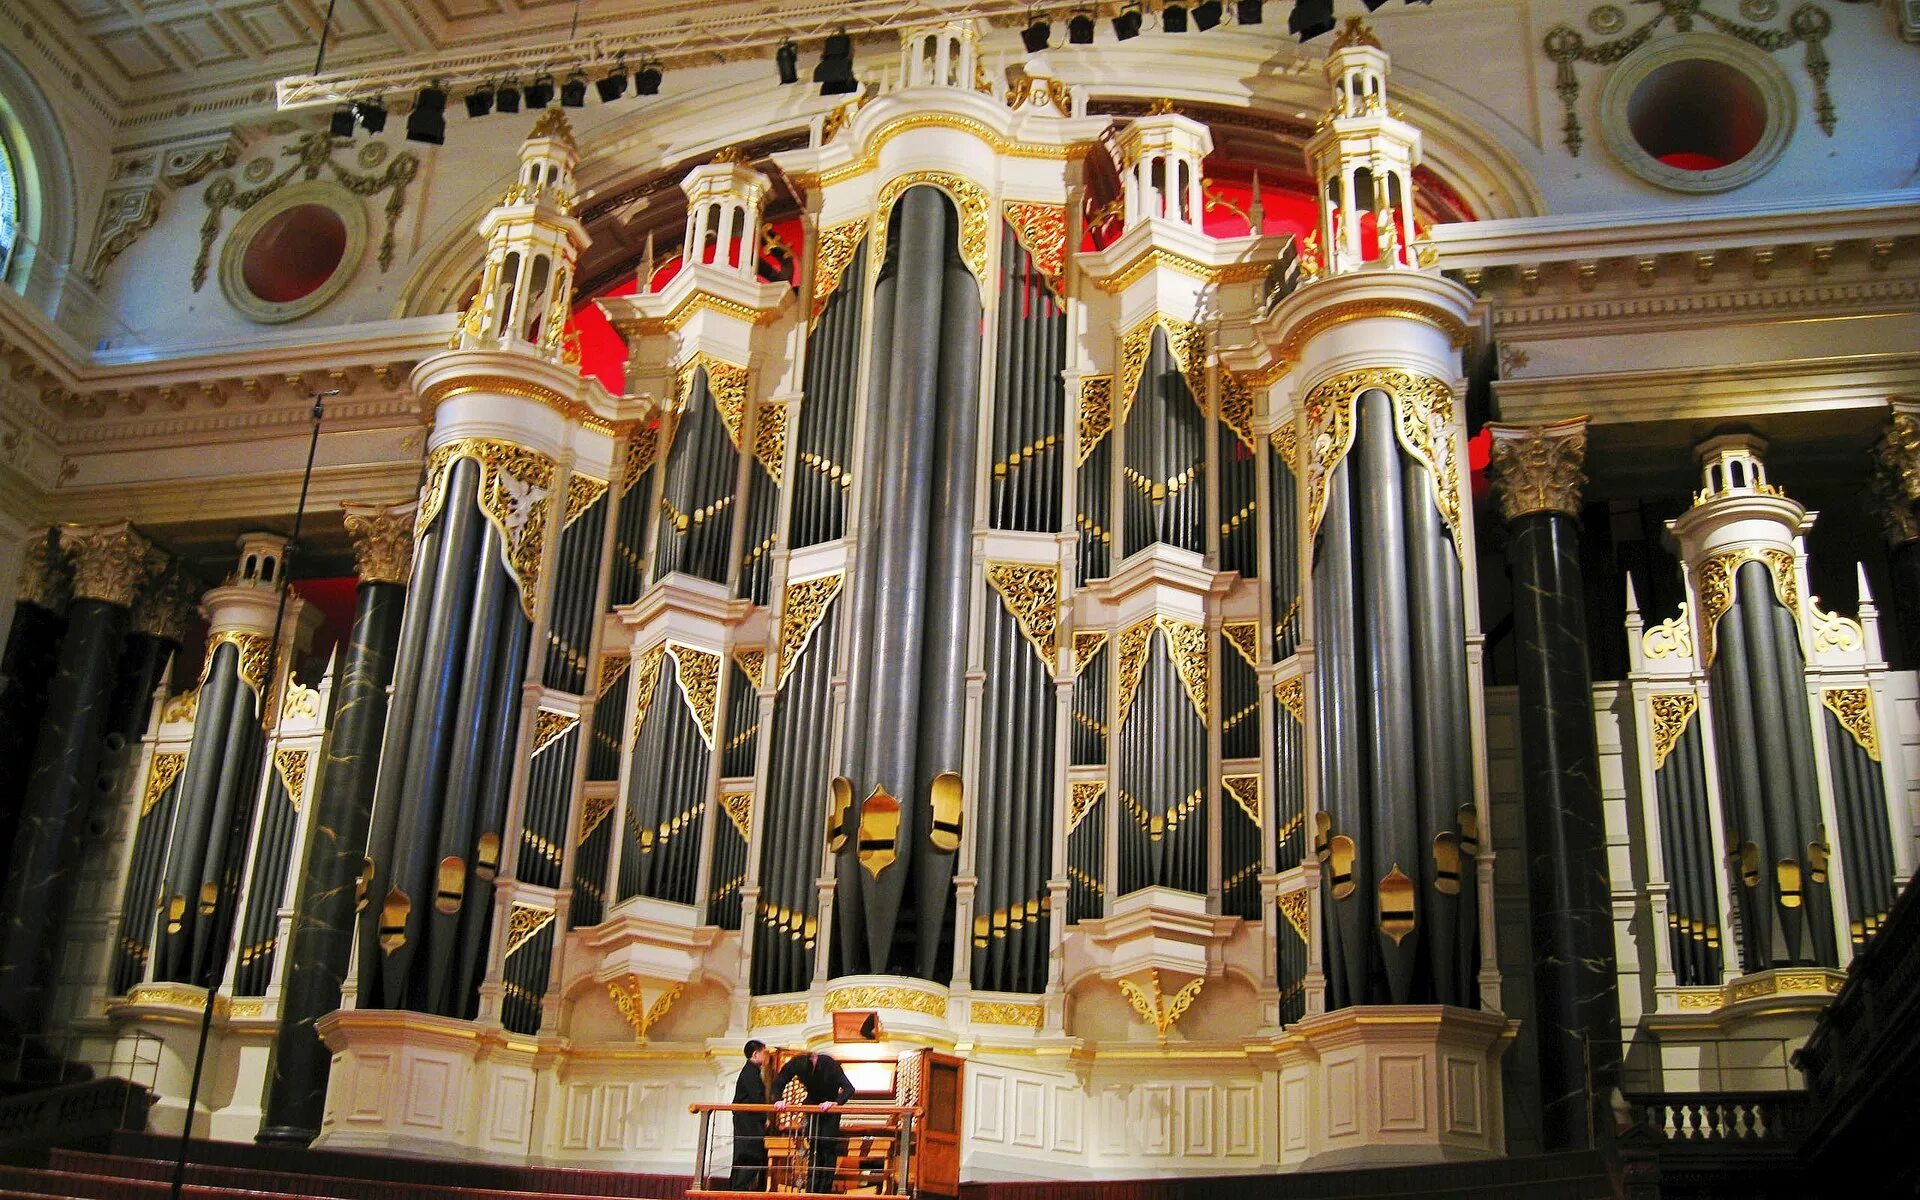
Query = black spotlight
x=1310 y=18
x=1206 y=16
x=786 y=60
x=1035 y=35
x=508 y=98
x=1127 y=24
x=1173 y=18
x=540 y=92
x=372 y=115
x=646 y=81
x=835 y=72
x=1080 y=28
x=1247 y=12
x=340 y=125
x=479 y=102
x=428 y=120
x=573 y=93
x=613 y=86
x=1374 y=5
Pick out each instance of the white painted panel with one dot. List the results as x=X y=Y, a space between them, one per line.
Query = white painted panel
x=1156 y=1119
x=369 y=1096
x=1344 y=1101
x=989 y=1107
x=1242 y=1120
x=1029 y=1113
x=576 y=1122
x=1461 y=1100
x=1069 y=1116
x=615 y=1100
x=429 y=1090
x=1294 y=1111
x=1196 y=1120
x=1401 y=1087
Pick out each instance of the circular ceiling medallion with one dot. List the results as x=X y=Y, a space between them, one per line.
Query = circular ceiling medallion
x=1608 y=18
x=294 y=251
x=1698 y=112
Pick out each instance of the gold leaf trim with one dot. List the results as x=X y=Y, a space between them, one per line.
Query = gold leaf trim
x=646 y=678
x=1286 y=443
x=752 y=664
x=1236 y=406
x=613 y=666
x=906 y=124
x=1096 y=414
x=594 y=812
x=1672 y=713
x=252 y=648
x=628 y=996
x=514 y=490
x=726 y=384
x=292 y=768
x=1714 y=584
x=1086 y=644
x=967 y=196
x=1041 y=230
x=802 y=609
x=549 y=727
x=739 y=809
x=698 y=672
x=1423 y=419
x=523 y=922
x=519 y=389
x=1186 y=342
x=1244 y=636
x=1853 y=708
x=837 y=246
x=1327 y=318
x=1296 y=908
x=1134 y=640
x=1083 y=795
x=160 y=776
x=770 y=438
x=583 y=492
x=1292 y=695
x=1187 y=645
x=643 y=444
x=792 y=1013
x=1153 y=1006
x=1245 y=790
x=1032 y=596
x=865 y=996
x=993 y=1012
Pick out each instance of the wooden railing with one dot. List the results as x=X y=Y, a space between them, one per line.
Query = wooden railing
x=871 y=1153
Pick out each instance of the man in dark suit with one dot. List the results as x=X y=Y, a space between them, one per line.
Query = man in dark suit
x=750 y=1128
x=826 y=1086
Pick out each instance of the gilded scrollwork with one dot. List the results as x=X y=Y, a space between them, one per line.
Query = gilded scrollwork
x=699 y=674
x=1292 y=695
x=969 y=197
x=1833 y=633
x=594 y=811
x=1297 y=908
x=726 y=383
x=1244 y=637
x=643 y=444
x=583 y=492
x=1082 y=796
x=1286 y=443
x=739 y=809
x=1042 y=232
x=1186 y=342
x=1245 y=790
x=802 y=608
x=523 y=922
x=613 y=668
x=1539 y=468
x=770 y=438
x=1713 y=583
x=110 y=562
x=382 y=537
x=1671 y=638
x=1236 y=406
x=837 y=246
x=628 y=997
x=549 y=727
x=1032 y=595
x=646 y=678
x=1187 y=645
x=1423 y=414
x=1095 y=415
x=753 y=664
x=1853 y=708
x=993 y=1012
x=1133 y=643
x=903 y=999
x=252 y=648
x=1154 y=1006
x=291 y=765
x=1672 y=713
x=516 y=486
x=160 y=776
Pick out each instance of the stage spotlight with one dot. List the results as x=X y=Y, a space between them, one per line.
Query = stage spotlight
x=613 y=86
x=479 y=102
x=540 y=92
x=1126 y=25
x=1036 y=34
x=786 y=60
x=507 y=98
x=1206 y=16
x=646 y=81
x=1080 y=28
x=1173 y=18
x=340 y=125
x=1310 y=18
x=372 y=115
x=573 y=93
x=835 y=72
x=428 y=120
x=1247 y=12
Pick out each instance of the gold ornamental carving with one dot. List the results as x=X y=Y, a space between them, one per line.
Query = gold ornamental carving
x=995 y=1012
x=1894 y=482
x=180 y=707
x=252 y=649
x=752 y=664
x=1032 y=596
x=1005 y=147
x=866 y=996
x=549 y=727
x=613 y=668
x=698 y=673
x=1714 y=582
x=628 y=997
x=1245 y=790
x=1539 y=468
x=1236 y=406
x=44 y=576
x=1086 y=644
x=643 y=445
x=515 y=488
x=110 y=562
x=1187 y=646
x=1096 y=414
x=164 y=605
x=1154 y=1006
x=583 y=492
x=770 y=438
x=160 y=776
x=646 y=677
x=1244 y=637
x=1041 y=230
x=1672 y=713
x=291 y=765
x=1423 y=411
x=382 y=537
x=1133 y=643
x=1296 y=907
x=594 y=811
x=1186 y=342
x=524 y=922
x=726 y=383
x=1082 y=796
x=837 y=246
x=1286 y=444
x=967 y=196
x=739 y=809
x=802 y=608
x=1292 y=695
x=1671 y=638
x=1831 y=632
x=791 y=1013
x=519 y=389
x=1853 y=708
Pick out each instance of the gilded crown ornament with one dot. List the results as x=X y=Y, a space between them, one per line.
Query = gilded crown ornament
x=1539 y=468
x=382 y=540
x=110 y=562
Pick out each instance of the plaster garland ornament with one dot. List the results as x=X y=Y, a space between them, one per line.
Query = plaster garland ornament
x=382 y=536
x=311 y=155
x=1539 y=468
x=1808 y=25
x=110 y=562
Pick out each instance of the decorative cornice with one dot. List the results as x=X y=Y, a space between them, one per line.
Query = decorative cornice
x=110 y=562
x=1538 y=468
x=165 y=604
x=382 y=540
x=509 y=385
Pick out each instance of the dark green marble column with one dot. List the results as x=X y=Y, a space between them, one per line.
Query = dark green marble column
x=1537 y=472
x=321 y=944
x=1893 y=487
x=159 y=624
x=110 y=563
x=26 y=670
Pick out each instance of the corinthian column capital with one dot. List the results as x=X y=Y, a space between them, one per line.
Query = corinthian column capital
x=164 y=605
x=44 y=578
x=1896 y=455
x=1538 y=468
x=382 y=540
x=110 y=562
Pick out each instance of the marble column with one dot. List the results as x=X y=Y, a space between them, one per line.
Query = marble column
x=1893 y=487
x=110 y=564
x=1537 y=475
x=321 y=945
x=26 y=670
x=158 y=626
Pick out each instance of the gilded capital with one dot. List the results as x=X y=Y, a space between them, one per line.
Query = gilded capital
x=44 y=577
x=1896 y=455
x=110 y=562
x=382 y=540
x=165 y=604
x=1538 y=468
